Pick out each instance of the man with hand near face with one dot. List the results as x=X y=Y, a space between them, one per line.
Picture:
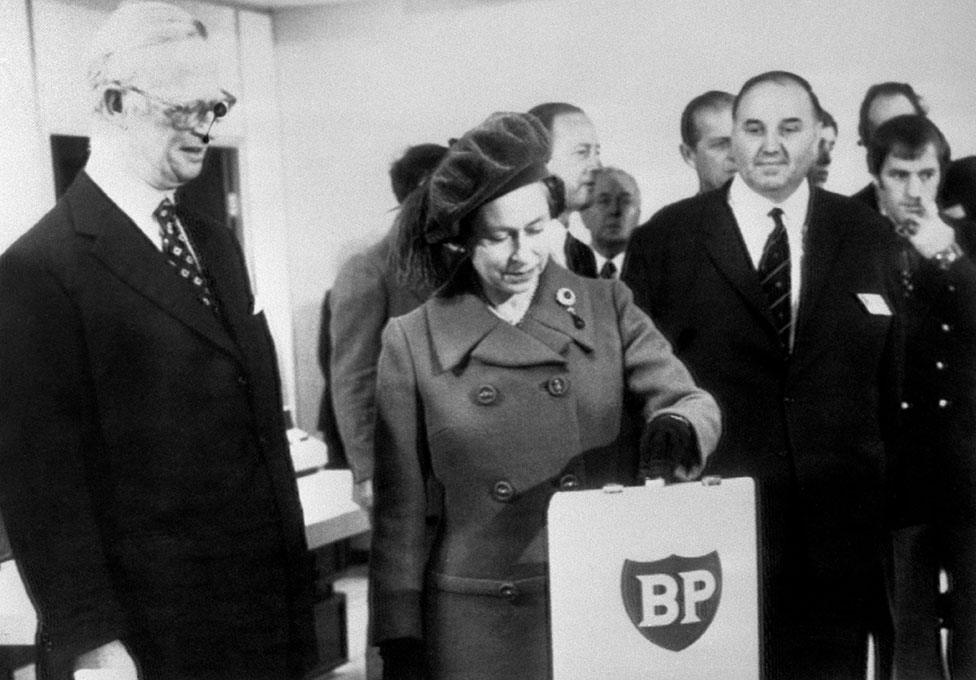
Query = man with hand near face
x=706 y=138
x=882 y=102
x=780 y=298
x=935 y=503
x=147 y=485
x=575 y=159
x=611 y=219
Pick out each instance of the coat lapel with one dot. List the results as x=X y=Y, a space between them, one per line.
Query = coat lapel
x=725 y=247
x=122 y=248
x=461 y=326
x=550 y=322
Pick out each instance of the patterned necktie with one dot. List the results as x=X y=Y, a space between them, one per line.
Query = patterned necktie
x=774 y=275
x=608 y=270
x=178 y=253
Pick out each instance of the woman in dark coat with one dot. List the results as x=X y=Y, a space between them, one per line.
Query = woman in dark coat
x=515 y=380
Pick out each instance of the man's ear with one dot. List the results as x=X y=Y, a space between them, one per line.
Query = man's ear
x=688 y=155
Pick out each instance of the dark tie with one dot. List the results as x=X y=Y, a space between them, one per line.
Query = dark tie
x=774 y=274
x=178 y=253
x=608 y=270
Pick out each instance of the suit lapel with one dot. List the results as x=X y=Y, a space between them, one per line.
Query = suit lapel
x=823 y=244
x=725 y=247
x=123 y=249
x=462 y=326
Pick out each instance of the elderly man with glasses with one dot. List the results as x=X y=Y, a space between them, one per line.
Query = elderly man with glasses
x=146 y=481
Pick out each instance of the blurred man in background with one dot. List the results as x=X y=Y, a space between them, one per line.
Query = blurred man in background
x=611 y=219
x=706 y=134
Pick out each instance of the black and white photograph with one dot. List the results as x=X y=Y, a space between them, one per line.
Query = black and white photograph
x=487 y=340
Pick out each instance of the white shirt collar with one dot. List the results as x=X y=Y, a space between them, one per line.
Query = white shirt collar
x=794 y=208
x=618 y=262
x=751 y=211
x=133 y=196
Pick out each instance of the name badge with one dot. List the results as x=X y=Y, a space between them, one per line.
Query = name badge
x=874 y=304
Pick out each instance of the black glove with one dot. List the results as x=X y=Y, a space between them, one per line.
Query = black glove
x=403 y=659
x=668 y=443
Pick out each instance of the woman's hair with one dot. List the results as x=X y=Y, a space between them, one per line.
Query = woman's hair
x=417 y=262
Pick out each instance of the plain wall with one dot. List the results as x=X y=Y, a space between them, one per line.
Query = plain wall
x=358 y=83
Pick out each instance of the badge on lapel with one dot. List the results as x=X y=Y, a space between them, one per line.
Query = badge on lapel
x=567 y=298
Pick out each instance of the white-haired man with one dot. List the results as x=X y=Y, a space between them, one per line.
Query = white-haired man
x=147 y=487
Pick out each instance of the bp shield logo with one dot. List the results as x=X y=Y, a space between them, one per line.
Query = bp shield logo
x=673 y=601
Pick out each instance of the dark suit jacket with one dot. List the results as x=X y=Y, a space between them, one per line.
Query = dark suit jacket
x=937 y=476
x=146 y=481
x=811 y=427
x=868 y=196
x=579 y=257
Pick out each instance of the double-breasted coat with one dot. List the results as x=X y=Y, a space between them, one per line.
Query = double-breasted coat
x=814 y=427
x=501 y=417
x=146 y=480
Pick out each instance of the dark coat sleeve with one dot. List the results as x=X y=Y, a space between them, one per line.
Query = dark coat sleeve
x=47 y=430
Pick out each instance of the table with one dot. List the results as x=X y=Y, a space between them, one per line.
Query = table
x=330 y=516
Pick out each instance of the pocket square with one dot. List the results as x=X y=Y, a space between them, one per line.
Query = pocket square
x=874 y=304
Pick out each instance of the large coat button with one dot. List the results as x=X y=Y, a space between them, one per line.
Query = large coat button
x=503 y=491
x=557 y=386
x=486 y=395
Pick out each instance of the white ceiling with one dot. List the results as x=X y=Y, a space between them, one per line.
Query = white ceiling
x=282 y=4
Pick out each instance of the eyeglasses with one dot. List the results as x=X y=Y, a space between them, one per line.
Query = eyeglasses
x=189 y=116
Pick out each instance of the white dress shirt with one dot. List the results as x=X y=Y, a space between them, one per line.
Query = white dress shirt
x=134 y=197
x=751 y=211
x=618 y=262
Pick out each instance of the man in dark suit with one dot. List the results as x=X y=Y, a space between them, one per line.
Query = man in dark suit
x=936 y=500
x=146 y=481
x=780 y=299
x=706 y=146
x=611 y=219
x=882 y=102
x=575 y=159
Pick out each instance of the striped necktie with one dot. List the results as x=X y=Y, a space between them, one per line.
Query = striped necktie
x=774 y=275
x=178 y=253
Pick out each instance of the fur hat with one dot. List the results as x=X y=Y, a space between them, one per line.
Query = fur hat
x=505 y=152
